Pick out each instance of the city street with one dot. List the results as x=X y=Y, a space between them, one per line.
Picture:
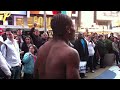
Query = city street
x=110 y=72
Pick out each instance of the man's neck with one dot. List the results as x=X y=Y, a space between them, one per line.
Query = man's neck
x=12 y=40
x=61 y=39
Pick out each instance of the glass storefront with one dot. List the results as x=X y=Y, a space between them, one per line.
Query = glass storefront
x=20 y=21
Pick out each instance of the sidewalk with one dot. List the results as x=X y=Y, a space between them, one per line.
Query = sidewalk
x=96 y=73
x=110 y=72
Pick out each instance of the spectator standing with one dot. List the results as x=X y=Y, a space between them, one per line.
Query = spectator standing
x=5 y=72
x=26 y=44
x=44 y=37
x=35 y=35
x=29 y=60
x=12 y=54
x=102 y=50
x=116 y=49
x=91 y=51
x=81 y=46
x=21 y=38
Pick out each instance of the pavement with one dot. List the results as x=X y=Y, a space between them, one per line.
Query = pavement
x=109 y=72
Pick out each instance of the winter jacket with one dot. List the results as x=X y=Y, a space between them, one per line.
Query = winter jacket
x=28 y=61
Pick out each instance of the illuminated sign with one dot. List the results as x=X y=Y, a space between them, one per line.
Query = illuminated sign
x=19 y=12
x=4 y=15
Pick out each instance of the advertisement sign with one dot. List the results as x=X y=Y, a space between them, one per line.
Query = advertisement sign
x=106 y=15
x=19 y=12
x=34 y=12
x=4 y=15
x=41 y=12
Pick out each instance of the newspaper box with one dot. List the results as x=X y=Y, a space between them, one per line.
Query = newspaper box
x=82 y=66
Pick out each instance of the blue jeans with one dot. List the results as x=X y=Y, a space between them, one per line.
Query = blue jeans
x=117 y=57
x=16 y=72
x=90 y=62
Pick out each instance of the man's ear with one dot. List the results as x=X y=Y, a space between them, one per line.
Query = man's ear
x=68 y=29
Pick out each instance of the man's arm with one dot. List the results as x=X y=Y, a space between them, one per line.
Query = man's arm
x=31 y=32
x=72 y=65
x=3 y=50
x=36 y=73
x=4 y=65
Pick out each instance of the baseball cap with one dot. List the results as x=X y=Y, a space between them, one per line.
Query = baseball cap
x=1 y=31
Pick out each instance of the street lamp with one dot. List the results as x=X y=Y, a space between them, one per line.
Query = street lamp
x=45 y=28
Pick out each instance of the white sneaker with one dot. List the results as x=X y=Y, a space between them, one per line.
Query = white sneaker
x=92 y=71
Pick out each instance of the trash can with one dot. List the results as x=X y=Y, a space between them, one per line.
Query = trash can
x=109 y=59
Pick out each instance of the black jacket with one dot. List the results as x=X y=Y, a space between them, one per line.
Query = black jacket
x=37 y=41
x=24 y=48
x=101 y=47
x=82 y=53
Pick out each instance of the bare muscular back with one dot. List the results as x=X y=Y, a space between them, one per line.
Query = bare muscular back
x=56 y=60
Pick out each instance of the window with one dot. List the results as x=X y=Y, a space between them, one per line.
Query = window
x=20 y=21
x=10 y=21
x=30 y=22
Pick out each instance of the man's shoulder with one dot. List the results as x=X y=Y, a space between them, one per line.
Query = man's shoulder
x=70 y=51
x=23 y=36
x=6 y=41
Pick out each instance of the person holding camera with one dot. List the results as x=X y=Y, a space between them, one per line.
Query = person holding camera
x=91 y=51
x=29 y=60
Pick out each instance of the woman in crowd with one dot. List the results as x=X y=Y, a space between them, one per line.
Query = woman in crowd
x=26 y=44
x=29 y=60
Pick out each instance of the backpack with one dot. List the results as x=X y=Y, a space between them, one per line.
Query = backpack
x=6 y=49
x=2 y=74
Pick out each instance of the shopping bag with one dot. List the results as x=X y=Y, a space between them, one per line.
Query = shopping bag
x=82 y=66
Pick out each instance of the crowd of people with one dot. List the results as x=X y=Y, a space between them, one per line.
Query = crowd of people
x=37 y=56
x=93 y=47
x=19 y=52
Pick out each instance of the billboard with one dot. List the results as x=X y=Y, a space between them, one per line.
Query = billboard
x=106 y=15
x=19 y=12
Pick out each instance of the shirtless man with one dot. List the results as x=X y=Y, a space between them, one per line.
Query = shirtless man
x=56 y=59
